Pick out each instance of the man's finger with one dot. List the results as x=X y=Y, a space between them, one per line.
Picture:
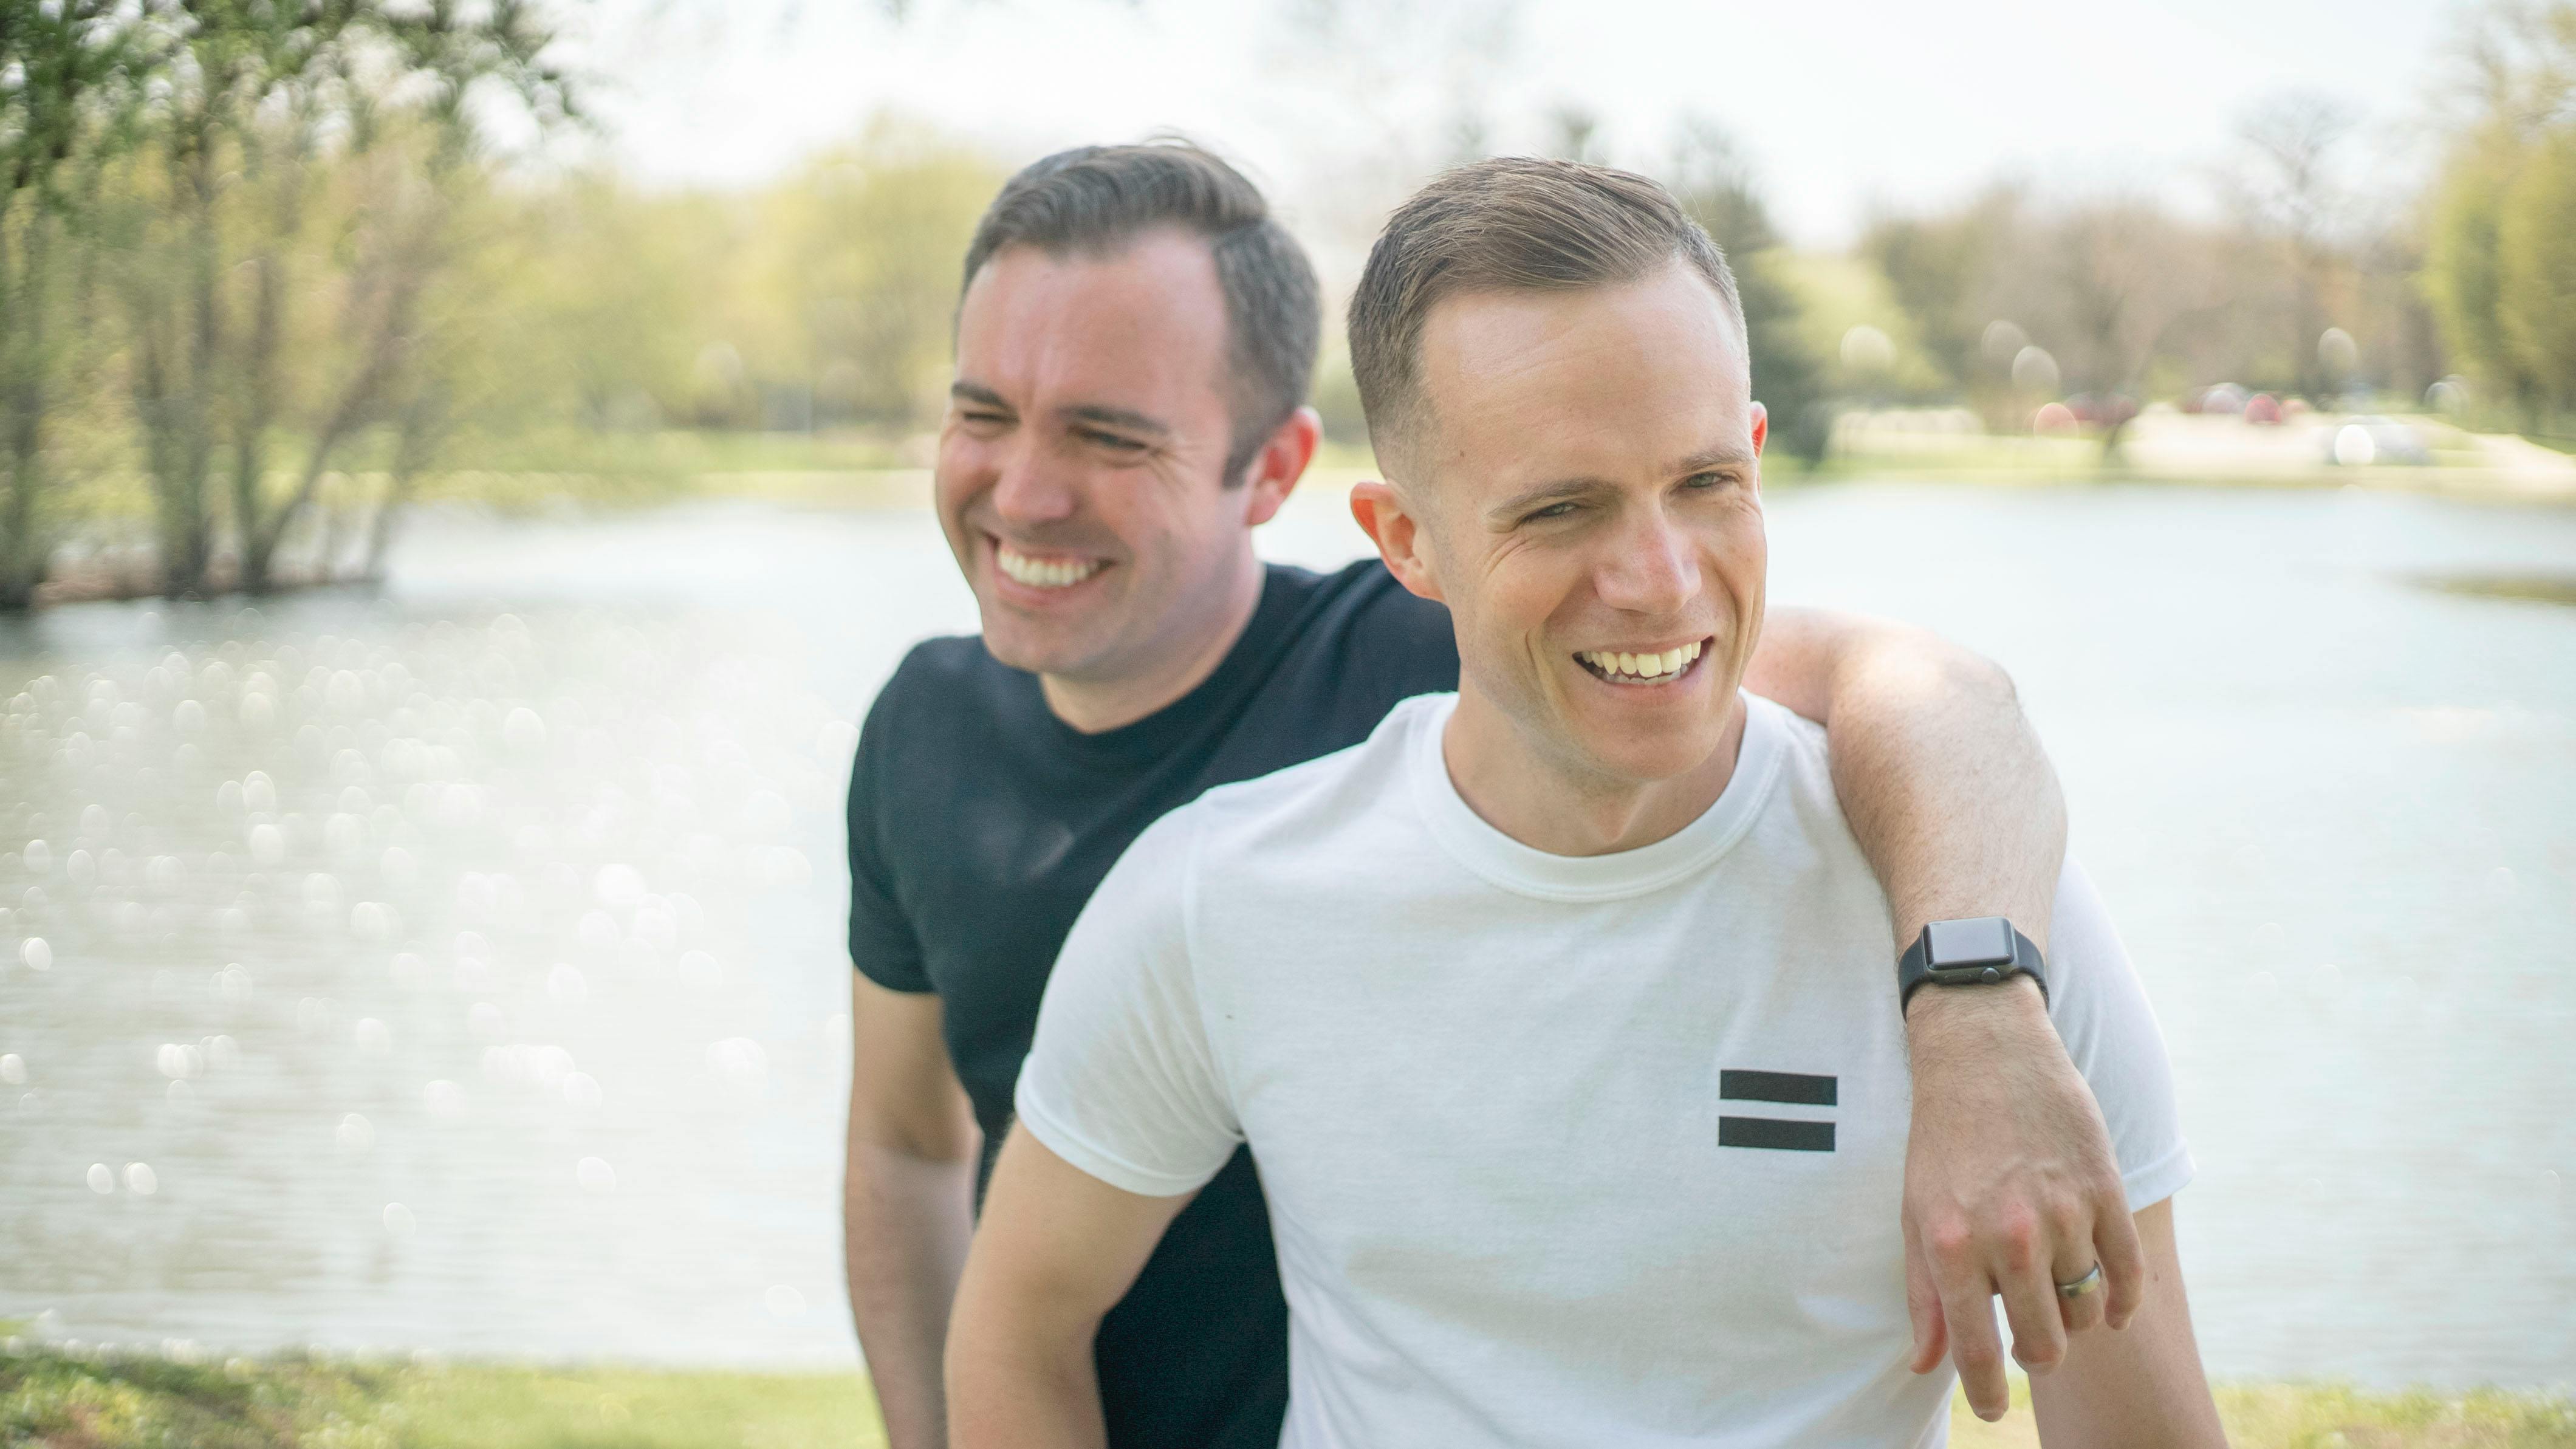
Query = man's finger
x=2083 y=1312
x=2124 y=1262
x=2071 y=1239
x=1923 y=1305
x=2030 y=1306
x=1968 y=1313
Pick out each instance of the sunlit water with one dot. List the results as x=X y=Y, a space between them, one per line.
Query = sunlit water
x=461 y=969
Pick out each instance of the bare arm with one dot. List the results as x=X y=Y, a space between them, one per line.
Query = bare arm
x=1947 y=788
x=1056 y=1250
x=2009 y=1176
x=907 y=1202
x=2142 y=1388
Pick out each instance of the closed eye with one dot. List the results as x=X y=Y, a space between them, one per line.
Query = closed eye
x=1111 y=441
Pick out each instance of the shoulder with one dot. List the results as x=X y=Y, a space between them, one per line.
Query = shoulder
x=1785 y=757
x=1301 y=809
x=936 y=668
x=1359 y=613
x=939 y=681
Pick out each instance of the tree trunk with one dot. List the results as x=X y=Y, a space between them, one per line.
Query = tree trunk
x=24 y=284
x=357 y=401
x=421 y=424
x=172 y=378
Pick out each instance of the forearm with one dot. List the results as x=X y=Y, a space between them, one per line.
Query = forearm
x=1945 y=785
x=2143 y=1389
x=1022 y=1385
x=907 y=1221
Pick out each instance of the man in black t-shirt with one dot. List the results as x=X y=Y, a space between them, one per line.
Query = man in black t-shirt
x=1133 y=347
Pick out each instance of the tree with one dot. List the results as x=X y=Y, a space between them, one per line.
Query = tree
x=2536 y=268
x=263 y=114
x=1710 y=178
x=68 y=73
x=2500 y=270
x=2287 y=189
x=859 y=252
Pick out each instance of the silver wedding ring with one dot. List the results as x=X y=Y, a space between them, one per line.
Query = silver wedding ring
x=2089 y=1283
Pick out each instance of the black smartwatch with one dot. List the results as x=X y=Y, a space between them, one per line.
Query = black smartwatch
x=1979 y=951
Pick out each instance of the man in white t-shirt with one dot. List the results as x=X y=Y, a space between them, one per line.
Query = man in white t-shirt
x=1554 y=1013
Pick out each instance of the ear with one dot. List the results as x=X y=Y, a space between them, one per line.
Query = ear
x=1280 y=463
x=1384 y=518
x=1761 y=435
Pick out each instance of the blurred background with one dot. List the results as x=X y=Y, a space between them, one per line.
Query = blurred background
x=462 y=478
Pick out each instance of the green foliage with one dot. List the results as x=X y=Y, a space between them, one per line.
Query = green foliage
x=69 y=76
x=858 y=255
x=1941 y=269
x=231 y=213
x=2536 y=266
x=2501 y=260
x=821 y=299
x=1711 y=180
x=2464 y=273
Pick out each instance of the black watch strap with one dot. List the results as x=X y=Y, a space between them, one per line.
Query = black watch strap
x=1967 y=953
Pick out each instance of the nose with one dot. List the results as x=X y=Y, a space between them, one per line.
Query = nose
x=1650 y=566
x=1029 y=490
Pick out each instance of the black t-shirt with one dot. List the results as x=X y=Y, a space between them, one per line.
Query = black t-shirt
x=980 y=824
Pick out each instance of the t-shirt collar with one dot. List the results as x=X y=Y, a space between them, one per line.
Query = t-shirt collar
x=1525 y=870
x=1156 y=735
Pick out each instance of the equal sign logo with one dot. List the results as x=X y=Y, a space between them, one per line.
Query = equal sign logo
x=1780 y=1134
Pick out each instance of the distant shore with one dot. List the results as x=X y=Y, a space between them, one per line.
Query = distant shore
x=58 y=1399
x=1928 y=445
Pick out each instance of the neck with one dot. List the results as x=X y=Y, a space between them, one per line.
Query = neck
x=1538 y=793
x=1175 y=665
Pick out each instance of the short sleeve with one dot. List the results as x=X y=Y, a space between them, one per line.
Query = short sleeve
x=1121 y=1080
x=2101 y=1013
x=882 y=943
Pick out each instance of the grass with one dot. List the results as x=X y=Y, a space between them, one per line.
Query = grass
x=55 y=1400
x=2308 y=1416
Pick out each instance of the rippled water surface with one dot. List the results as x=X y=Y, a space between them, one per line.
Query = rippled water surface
x=461 y=968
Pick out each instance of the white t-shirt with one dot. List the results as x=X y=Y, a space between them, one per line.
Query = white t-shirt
x=1558 y=1150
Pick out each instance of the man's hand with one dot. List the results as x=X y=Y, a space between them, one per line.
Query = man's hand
x=908 y=1203
x=2010 y=1185
x=2010 y=1188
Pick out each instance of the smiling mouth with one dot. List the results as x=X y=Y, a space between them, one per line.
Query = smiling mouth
x=1652 y=668
x=1041 y=571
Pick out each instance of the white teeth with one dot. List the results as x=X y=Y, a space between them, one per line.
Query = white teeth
x=1040 y=573
x=1651 y=668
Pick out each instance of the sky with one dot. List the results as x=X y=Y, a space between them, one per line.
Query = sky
x=1339 y=106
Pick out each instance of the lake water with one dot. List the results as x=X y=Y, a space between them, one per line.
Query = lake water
x=460 y=969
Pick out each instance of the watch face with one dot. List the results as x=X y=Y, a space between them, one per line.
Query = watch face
x=1982 y=941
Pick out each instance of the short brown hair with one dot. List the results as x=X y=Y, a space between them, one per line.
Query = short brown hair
x=1097 y=199
x=1512 y=223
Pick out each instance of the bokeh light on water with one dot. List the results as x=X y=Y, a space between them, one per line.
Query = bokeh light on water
x=380 y=975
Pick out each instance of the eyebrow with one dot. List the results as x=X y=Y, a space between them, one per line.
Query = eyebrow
x=1559 y=489
x=1128 y=418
